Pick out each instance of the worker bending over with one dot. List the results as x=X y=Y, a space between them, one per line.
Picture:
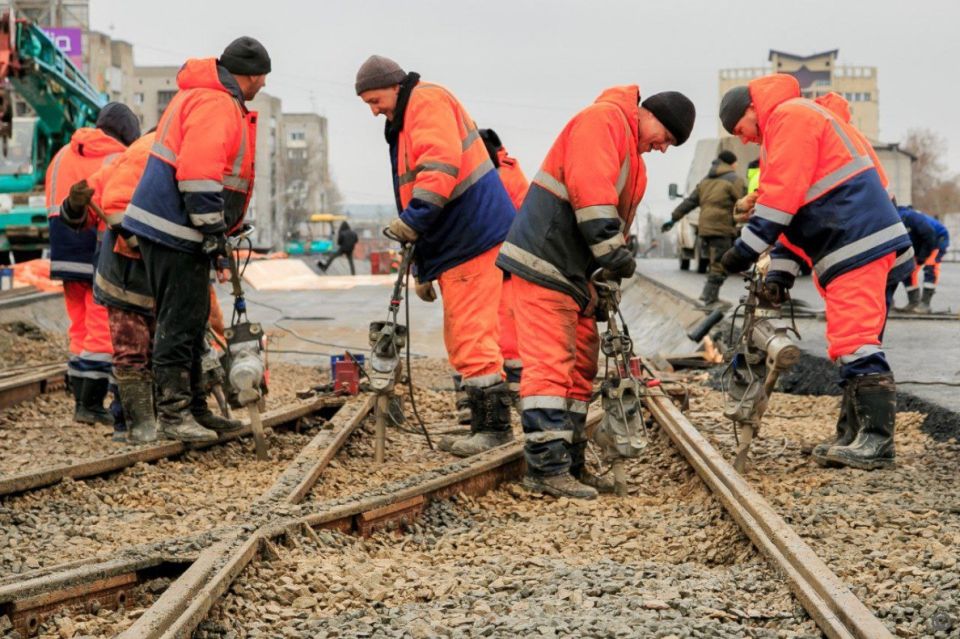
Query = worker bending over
x=193 y=193
x=72 y=258
x=930 y=241
x=455 y=209
x=574 y=221
x=716 y=195
x=821 y=200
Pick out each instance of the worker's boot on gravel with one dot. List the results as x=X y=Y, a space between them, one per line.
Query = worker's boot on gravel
x=119 y=419
x=913 y=300
x=923 y=308
x=173 y=407
x=578 y=460
x=847 y=428
x=711 y=293
x=462 y=403
x=562 y=485
x=90 y=410
x=136 y=395
x=875 y=404
x=207 y=418
x=489 y=420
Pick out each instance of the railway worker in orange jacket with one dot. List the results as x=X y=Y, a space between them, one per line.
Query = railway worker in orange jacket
x=72 y=258
x=822 y=200
x=508 y=168
x=574 y=221
x=194 y=192
x=456 y=210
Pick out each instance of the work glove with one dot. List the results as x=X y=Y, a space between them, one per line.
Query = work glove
x=80 y=196
x=667 y=226
x=774 y=292
x=402 y=231
x=735 y=262
x=621 y=265
x=214 y=245
x=426 y=292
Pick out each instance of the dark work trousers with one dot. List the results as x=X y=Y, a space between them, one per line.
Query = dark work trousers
x=713 y=248
x=132 y=335
x=349 y=255
x=180 y=284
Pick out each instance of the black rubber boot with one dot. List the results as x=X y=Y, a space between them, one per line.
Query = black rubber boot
x=489 y=422
x=913 y=299
x=90 y=410
x=173 y=407
x=875 y=404
x=847 y=428
x=711 y=292
x=578 y=457
x=136 y=395
x=923 y=308
x=201 y=410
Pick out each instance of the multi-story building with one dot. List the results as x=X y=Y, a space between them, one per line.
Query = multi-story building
x=819 y=74
x=152 y=88
x=307 y=169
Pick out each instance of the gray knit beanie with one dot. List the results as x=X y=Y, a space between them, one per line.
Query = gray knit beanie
x=378 y=72
x=733 y=105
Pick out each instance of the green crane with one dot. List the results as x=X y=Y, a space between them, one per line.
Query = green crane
x=63 y=100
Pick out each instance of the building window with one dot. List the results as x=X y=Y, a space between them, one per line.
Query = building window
x=296 y=136
x=137 y=99
x=866 y=97
x=163 y=99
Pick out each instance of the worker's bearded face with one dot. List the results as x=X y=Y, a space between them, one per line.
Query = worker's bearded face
x=747 y=128
x=382 y=101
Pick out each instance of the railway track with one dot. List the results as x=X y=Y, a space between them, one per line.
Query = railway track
x=24 y=383
x=203 y=567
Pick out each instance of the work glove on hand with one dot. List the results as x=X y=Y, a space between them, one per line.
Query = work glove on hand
x=402 y=231
x=774 y=292
x=214 y=245
x=621 y=265
x=667 y=226
x=735 y=262
x=74 y=209
x=426 y=292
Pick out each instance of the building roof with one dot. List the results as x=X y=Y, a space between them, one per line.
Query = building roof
x=794 y=56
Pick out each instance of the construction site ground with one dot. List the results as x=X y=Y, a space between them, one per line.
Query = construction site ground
x=665 y=561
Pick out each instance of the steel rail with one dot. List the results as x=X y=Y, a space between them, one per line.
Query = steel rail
x=39 y=478
x=836 y=610
x=35 y=595
x=27 y=382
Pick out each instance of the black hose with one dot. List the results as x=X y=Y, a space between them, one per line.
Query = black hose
x=413 y=401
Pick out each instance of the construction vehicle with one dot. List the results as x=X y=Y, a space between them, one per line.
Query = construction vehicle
x=44 y=98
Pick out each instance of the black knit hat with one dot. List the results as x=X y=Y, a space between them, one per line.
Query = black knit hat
x=675 y=111
x=727 y=157
x=733 y=105
x=245 y=56
x=119 y=122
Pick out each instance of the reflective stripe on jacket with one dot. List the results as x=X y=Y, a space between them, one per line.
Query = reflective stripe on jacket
x=199 y=175
x=446 y=186
x=583 y=199
x=818 y=185
x=121 y=279
x=72 y=252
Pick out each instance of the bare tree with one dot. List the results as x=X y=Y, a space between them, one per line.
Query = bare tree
x=935 y=191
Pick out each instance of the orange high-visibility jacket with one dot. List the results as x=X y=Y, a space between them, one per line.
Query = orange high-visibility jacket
x=71 y=252
x=512 y=177
x=582 y=201
x=446 y=186
x=199 y=176
x=819 y=186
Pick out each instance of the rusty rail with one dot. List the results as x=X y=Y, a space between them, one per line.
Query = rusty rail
x=26 y=382
x=837 y=612
x=33 y=479
x=182 y=607
x=34 y=596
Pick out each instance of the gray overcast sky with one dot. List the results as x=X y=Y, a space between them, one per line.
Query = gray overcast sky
x=524 y=67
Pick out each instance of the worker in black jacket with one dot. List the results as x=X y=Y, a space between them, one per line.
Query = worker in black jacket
x=346 y=241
